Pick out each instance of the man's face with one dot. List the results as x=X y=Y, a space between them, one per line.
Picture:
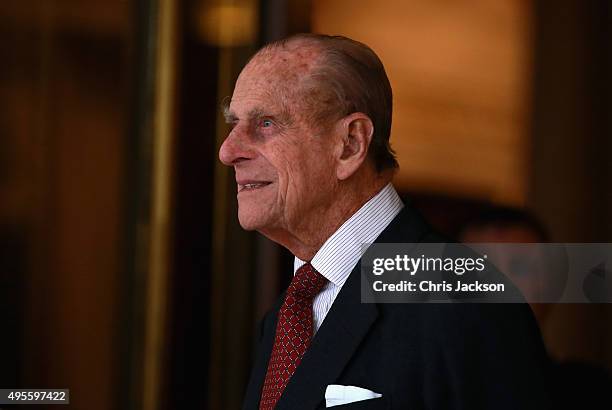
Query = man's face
x=284 y=166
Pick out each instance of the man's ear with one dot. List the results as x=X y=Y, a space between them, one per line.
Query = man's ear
x=356 y=134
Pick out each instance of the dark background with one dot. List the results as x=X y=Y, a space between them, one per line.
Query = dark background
x=80 y=226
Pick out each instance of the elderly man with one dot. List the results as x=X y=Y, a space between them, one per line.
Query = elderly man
x=311 y=120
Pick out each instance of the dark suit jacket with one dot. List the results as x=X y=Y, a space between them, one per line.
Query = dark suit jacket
x=417 y=355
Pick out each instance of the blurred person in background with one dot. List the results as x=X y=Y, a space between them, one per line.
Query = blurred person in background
x=311 y=120
x=540 y=272
x=508 y=225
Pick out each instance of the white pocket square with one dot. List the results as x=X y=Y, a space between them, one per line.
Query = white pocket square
x=337 y=394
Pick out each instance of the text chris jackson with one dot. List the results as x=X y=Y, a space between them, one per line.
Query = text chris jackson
x=412 y=266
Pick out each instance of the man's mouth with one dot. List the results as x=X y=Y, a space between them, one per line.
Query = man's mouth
x=251 y=185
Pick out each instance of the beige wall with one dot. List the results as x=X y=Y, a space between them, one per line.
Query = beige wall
x=460 y=72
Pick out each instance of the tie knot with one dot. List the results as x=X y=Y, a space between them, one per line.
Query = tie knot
x=306 y=282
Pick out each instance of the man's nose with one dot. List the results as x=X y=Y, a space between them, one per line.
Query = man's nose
x=235 y=148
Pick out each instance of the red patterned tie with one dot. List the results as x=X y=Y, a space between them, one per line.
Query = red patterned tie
x=293 y=333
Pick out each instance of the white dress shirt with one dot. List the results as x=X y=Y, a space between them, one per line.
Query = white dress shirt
x=341 y=252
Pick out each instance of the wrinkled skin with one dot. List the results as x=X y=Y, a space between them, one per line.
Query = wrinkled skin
x=289 y=170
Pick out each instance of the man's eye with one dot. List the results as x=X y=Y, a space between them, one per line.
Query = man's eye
x=266 y=123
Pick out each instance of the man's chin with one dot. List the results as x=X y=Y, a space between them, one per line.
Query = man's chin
x=249 y=223
x=248 y=227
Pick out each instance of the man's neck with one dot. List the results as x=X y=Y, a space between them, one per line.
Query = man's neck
x=306 y=241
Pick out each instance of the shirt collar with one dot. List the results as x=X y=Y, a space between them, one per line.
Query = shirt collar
x=342 y=250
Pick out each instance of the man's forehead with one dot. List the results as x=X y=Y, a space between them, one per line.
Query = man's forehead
x=273 y=76
x=283 y=65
